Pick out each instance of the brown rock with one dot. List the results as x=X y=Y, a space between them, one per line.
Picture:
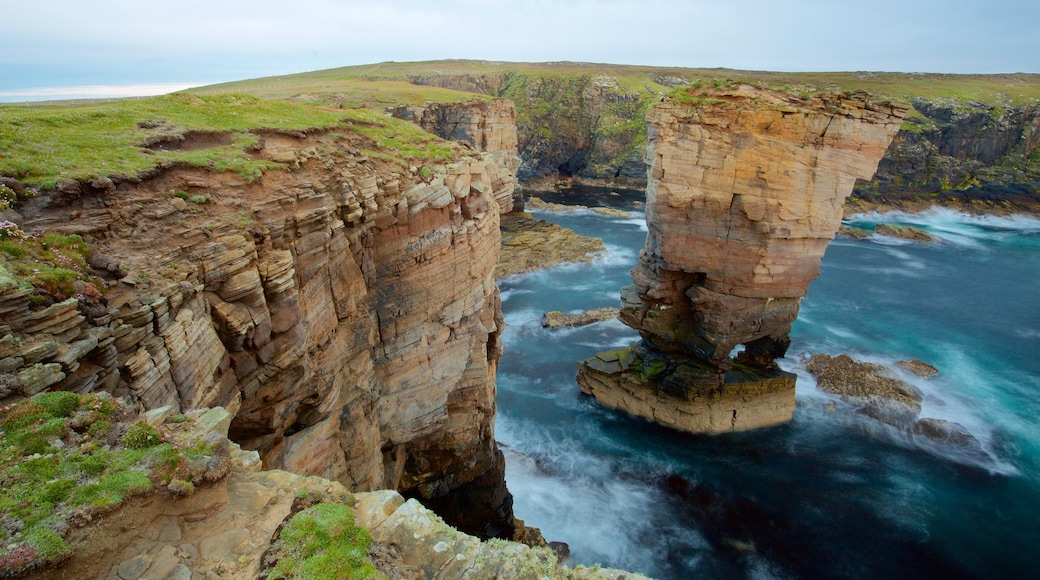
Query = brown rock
x=746 y=187
x=904 y=233
x=843 y=375
x=557 y=319
x=529 y=244
x=919 y=368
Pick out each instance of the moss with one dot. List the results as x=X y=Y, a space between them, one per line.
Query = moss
x=59 y=403
x=323 y=541
x=50 y=262
x=141 y=435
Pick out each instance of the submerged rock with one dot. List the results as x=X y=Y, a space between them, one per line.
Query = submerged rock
x=875 y=393
x=853 y=233
x=556 y=319
x=862 y=383
x=904 y=233
x=530 y=244
x=919 y=368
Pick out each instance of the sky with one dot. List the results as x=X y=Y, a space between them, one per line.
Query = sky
x=76 y=48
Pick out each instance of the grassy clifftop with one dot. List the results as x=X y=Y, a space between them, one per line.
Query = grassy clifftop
x=588 y=119
x=1014 y=88
x=44 y=146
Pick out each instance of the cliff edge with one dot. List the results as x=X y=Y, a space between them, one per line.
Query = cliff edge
x=336 y=296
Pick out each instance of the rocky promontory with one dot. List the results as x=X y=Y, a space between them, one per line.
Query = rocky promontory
x=339 y=301
x=746 y=186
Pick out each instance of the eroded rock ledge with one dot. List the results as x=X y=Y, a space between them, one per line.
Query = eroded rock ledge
x=343 y=309
x=746 y=187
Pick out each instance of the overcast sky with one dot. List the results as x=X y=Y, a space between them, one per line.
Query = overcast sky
x=75 y=43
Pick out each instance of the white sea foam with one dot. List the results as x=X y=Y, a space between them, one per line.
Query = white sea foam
x=952 y=226
x=945 y=397
x=576 y=497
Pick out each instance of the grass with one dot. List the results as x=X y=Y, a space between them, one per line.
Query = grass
x=44 y=145
x=322 y=542
x=50 y=263
x=64 y=459
x=1014 y=88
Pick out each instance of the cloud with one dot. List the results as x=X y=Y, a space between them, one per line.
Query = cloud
x=239 y=38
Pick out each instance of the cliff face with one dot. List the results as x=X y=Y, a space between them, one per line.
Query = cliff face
x=571 y=124
x=343 y=309
x=746 y=188
x=962 y=149
x=489 y=127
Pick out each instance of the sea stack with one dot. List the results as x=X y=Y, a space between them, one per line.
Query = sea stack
x=745 y=190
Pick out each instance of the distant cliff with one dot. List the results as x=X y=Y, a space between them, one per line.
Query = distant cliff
x=342 y=307
x=591 y=126
x=582 y=125
x=961 y=150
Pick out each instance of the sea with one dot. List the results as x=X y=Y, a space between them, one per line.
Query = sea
x=834 y=493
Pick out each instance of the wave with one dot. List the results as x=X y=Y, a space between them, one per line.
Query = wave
x=941 y=399
x=953 y=227
x=577 y=497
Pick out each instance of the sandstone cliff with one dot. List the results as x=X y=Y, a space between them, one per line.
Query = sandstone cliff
x=342 y=308
x=746 y=188
x=488 y=127
x=581 y=124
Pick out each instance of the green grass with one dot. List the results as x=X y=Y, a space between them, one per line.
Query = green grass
x=44 y=145
x=322 y=542
x=50 y=263
x=57 y=468
x=1014 y=88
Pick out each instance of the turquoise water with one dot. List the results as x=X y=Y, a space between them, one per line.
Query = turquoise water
x=831 y=494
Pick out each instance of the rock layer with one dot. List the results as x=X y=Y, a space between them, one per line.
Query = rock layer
x=343 y=309
x=745 y=190
x=487 y=126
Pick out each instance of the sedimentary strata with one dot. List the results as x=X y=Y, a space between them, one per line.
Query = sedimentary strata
x=343 y=309
x=487 y=126
x=746 y=187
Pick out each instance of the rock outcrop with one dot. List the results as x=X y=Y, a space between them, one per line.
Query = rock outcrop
x=557 y=319
x=874 y=391
x=226 y=529
x=487 y=126
x=963 y=152
x=343 y=309
x=530 y=244
x=746 y=187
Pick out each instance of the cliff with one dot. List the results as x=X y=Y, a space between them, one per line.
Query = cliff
x=487 y=126
x=746 y=189
x=967 y=138
x=339 y=302
x=958 y=151
x=572 y=124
